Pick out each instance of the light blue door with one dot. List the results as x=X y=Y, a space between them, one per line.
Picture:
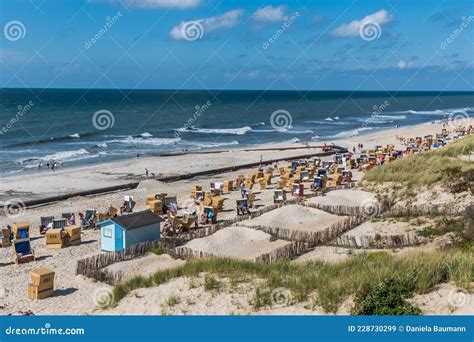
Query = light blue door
x=119 y=238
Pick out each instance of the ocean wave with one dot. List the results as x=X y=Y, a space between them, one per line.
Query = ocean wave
x=382 y=119
x=392 y=117
x=425 y=112
x=299 y=131
x=101 y=145
x=131 y=140
x=143 y=135
x=210 y=145
x=328 y=122
x=352 y=132
x=54 y=139
x=235 y=131
x=63 y=155
x=439 y=111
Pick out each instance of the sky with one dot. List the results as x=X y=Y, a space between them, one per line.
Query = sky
x=209 y=44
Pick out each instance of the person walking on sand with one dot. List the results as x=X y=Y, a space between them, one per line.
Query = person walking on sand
x=146 y=172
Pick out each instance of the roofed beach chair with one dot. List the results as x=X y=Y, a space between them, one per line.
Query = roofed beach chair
x=242 y=207
x=279 y=196
x=89 y=219
x=5 y=238
x=59 y=224
x=128 y=205
x=217 y=203
x=22 y=251
x=70 y=218
x=46 y=223
x=209 y=215
x=21 y=230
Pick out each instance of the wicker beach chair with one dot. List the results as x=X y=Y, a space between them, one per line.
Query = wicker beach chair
x=46 y=223
x=22 y=251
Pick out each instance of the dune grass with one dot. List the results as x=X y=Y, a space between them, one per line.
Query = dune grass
x=426 y=168
x=329 y=283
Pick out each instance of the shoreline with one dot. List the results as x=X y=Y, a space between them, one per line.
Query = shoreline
x=73 y=291
x=279 y=146
x=114 y=173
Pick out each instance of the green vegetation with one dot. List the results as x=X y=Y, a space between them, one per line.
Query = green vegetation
x=173 y=300
x=329 y=283
x=211 y=283
x=427 y=168
x=158 y=250
x=386 y=298
x=443 y=226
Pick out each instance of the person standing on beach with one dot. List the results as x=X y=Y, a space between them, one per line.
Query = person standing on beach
x=146 y=172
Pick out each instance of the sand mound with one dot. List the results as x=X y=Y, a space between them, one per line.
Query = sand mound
x=346 y=197
x=446 y=299
x=380 y=234
x=144 y=265
x=295 y=217
x=238 y=242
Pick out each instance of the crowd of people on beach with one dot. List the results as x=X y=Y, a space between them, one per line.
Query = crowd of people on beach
x=51 y=165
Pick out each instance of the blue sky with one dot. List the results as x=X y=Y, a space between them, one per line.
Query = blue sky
x=319 y=45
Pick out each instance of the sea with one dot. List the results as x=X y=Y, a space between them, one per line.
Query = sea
x=76 y=127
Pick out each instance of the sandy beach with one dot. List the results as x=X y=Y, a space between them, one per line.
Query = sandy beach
x=48 y=183
x=78 y=295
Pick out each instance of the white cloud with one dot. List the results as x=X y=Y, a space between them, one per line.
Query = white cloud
x=269 y=14
x=403 y=65
x=227 y=20
x=253 y=74
x=352 y=29
x=178 y=4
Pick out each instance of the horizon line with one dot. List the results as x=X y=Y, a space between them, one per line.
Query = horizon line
x=262 y=90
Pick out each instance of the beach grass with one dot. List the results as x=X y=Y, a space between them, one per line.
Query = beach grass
x=328 y=284
x=426 y=168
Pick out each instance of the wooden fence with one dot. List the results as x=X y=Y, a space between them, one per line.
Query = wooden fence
x=377 y=241
x=311 y=237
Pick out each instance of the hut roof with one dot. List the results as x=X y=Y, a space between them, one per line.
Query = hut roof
x=137 y=220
